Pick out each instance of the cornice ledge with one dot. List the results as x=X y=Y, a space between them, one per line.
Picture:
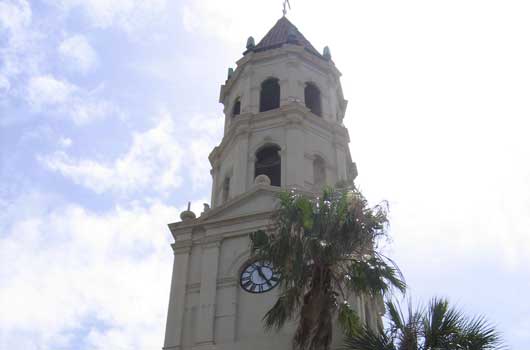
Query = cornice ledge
x=241 y=126
x=211 y=241
x=204 y=345
x=182 y=247
x=239 y=71
x=183 y=225
x=294 y=119
x=226 y=281
x=287 y=50
x=245 y=217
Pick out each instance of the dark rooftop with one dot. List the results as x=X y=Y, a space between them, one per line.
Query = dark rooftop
x=284 y=32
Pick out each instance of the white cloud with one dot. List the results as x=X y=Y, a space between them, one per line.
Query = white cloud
x=128 y=15
x=229 y=22
x=14 y=15
x=21 y=52
x=86 y=109
x=65 y=142
x=208 y=129
x=153 y=161
x=67 y=272
x=27 y=55
x=77 y=51
x=4 y=86
x=48 y=94
x=47 y=91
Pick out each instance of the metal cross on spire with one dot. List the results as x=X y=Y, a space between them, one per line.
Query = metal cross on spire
x=286 y=2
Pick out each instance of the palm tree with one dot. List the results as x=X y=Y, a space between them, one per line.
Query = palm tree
x=324 y=249
x=439 y=326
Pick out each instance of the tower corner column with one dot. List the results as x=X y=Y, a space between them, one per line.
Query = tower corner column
x=294 y=152
x=177 y=296
x=208 y=292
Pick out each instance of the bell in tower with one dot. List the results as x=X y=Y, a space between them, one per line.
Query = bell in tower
x=283 y=110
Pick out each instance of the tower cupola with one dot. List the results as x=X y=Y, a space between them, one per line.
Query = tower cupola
x=284 y=100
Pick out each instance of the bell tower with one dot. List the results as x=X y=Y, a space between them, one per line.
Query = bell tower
x=284 y=97
x=283 y=110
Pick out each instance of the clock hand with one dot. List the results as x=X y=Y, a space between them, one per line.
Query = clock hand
x=261 y=274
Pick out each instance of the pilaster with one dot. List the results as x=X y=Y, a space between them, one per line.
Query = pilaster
x=284 y=91
x=254 y=98
x=246 y=97
x=294 y=152
x=241 y=164
x=208 y=292
x=295 y=87
x=177 y=298
x=215 y=182
x=342 y=171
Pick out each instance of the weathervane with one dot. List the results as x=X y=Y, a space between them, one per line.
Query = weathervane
x=286 y=2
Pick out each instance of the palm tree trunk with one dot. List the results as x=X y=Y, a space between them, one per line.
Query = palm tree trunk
x=314 y=330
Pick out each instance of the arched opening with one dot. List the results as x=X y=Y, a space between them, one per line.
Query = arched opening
x=312 y=99
x=236 y=109
x=319 y=172
x=269 y=95
x=268 y=162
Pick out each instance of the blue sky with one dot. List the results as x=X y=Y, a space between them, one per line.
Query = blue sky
x=108 y=110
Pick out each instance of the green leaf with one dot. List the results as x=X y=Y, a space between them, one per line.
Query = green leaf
x=306 y=210
x=258 y=239
x=349 y=319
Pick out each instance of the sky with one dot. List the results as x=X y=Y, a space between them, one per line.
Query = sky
x=109 y=109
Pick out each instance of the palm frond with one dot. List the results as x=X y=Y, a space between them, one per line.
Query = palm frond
x=284 y=309
x=374 y=275
x=410 y=335
x=367 y=339
x=348 y=318
x=478 y=334
x=396 y=316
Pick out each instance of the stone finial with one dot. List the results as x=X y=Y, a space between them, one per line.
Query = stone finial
x=250 y=43
x=230 y=73
x=187 y=214
x=327 y=53
x=262 y=180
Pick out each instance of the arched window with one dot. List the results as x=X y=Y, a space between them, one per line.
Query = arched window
x=236 y=109
x=268 y=162
x=319 y=172
x=269 y=95
x=312 y=99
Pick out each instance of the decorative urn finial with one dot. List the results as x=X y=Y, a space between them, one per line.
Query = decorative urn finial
x=262 y=180
x=327 y=53
x=250 y=43
x=187 y=214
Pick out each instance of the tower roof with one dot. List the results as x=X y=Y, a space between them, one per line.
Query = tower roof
x=284 y=32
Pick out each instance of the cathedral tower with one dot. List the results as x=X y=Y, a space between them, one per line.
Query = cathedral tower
x=283 y=110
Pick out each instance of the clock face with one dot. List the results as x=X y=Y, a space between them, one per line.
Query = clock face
x=259 y=277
